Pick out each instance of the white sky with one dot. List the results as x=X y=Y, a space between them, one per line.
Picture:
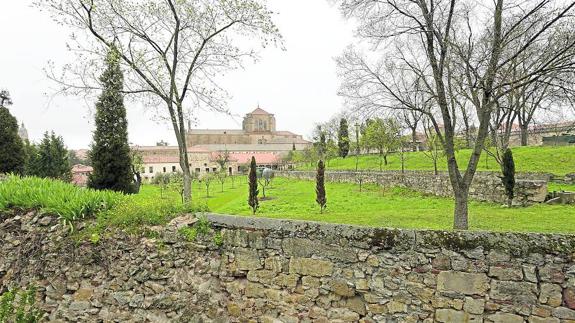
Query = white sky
x=298 y=85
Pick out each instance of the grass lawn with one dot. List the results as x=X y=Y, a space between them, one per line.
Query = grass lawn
x=555 y=160
x=399 y=208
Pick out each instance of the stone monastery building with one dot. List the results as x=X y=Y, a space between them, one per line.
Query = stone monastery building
x=258 y=137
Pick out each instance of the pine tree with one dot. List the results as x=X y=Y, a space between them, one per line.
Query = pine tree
x=508 y=179
x=12 y=154
x=343 y=138
x=253 y=181
x=320 y=186
x=51 y=159
x=110 y=151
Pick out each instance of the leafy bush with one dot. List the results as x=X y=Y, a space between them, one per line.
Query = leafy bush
x=55 y=197
x=19 y=306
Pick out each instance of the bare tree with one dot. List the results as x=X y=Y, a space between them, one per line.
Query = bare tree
x=171 y=50
x=436 y=40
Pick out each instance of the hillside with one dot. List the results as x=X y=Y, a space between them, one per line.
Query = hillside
x=556 y=160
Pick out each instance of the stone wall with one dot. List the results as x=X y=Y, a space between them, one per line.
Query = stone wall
x=266 y=270
x=487 y=186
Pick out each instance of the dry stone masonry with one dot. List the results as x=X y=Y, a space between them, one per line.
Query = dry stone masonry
x=265 y=270
x=530 y=187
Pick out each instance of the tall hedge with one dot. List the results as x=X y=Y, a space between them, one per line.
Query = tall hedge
x=320 y=186
x=110 y=151
x=508 y=168
x=253 y=182
x=12 y=154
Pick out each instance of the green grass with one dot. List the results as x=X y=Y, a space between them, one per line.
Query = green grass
x=398 y=208
x=109 y=209
x=55 y=197
x=547 y=159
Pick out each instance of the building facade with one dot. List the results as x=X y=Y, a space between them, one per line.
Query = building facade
x=166 y=159
x=258 y=133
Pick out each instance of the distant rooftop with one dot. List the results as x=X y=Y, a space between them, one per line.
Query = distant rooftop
x=258 y=110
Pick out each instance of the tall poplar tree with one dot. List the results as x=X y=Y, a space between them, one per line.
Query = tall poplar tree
x=110 y=152
x=343 y=138
x=12 y=154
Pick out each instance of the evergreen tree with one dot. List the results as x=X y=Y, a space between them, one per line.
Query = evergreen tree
x=12 y=154
x=51 y=159
x=110 y=151
x=253 y=182
x=31 y=160
x=508 y=179
x=320 y=186
x=343 y=138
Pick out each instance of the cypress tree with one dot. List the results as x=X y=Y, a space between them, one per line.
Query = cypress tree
x=253 y=182
x=52 y=159
x=320 y=186
x=12 y=154
x=110 y=151
x=343 y=138
x=508 y=178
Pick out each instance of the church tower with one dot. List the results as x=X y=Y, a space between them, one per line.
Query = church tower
x=259 y=120
x=22 y=132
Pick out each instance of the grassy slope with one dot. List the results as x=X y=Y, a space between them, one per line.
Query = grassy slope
x=396 y=208
x=556 y=160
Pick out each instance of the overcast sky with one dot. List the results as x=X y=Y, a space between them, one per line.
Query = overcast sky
x=298 y=85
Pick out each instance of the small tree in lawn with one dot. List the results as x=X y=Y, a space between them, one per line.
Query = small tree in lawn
x=508 y=179
x=207 y=179
x=343 y=138
x=253 y=182
x=12 y=153
x=221 y=177
x=265 y=177
x=320 y=186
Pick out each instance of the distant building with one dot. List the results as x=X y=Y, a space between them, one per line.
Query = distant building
x=258 y=133
x=22 y=132
x=80 y=174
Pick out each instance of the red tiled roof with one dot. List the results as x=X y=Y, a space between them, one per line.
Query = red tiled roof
x=158 y=159
x=214 y=156
x=79 y=168
x=261 y=158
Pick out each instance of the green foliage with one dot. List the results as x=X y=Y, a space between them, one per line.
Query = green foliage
x=382 y=135
x=55 y=197
x=508 y=179
x=253 y=184
x=50 y=159
x=343 y=138
x=19 y=306
x=320 y=186
x=218 y=239
x=200 y=228
x=12 y=154
x=110 y=152
x=207 y=179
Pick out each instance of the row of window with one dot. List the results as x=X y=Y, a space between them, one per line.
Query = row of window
x=174 y=169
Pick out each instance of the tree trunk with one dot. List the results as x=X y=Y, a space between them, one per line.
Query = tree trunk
x=435 y=167
x=414 y=139
x=385 y=159
x=524 y=135
x=460 y=216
